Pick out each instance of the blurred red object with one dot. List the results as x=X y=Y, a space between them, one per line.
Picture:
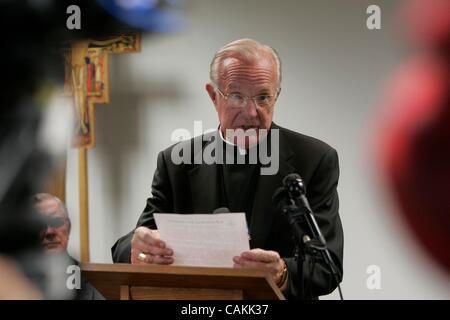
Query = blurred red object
x=415 y=151
x=415 y=134
x=414 y=138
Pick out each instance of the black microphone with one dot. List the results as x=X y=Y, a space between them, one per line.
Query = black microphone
x=294 y=185
x=296 y=189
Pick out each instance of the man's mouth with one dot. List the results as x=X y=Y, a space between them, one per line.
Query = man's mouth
x=51 y=245
x=247 y=127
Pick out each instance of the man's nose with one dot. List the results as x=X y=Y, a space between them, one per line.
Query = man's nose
x=49 y=232
x=251 y=109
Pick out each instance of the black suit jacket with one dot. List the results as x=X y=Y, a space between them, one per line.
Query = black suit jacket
x=195 y=188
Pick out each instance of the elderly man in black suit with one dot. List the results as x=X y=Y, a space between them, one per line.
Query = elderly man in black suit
x=245 y=84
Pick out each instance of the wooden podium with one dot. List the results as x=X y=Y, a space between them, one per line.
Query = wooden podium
x=153 y=282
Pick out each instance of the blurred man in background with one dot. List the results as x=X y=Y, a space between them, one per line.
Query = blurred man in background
x=55 y=237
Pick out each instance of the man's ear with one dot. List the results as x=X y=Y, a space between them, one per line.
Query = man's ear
x=211 y=92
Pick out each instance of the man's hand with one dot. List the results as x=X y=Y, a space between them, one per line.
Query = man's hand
x=147 y=248
x=261 y=259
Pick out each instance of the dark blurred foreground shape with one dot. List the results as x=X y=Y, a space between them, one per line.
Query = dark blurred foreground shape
x=32 y=67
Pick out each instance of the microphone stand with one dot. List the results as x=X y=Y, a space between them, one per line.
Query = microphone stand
x=304 y=245
x=293 y=215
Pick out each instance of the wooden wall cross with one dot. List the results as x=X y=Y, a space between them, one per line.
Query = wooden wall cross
x=87 y=80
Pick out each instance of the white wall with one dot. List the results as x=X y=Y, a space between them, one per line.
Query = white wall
x=333 y=68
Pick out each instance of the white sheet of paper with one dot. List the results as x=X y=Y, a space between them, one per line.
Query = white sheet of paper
x=204 y=240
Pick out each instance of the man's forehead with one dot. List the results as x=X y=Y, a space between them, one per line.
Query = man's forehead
x=264 y=63
x=236 y=73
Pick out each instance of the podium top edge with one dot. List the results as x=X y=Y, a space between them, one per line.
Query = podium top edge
x=167 y=269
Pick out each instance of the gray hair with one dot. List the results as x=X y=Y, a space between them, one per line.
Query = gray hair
x=41 y=197
x=246 y=49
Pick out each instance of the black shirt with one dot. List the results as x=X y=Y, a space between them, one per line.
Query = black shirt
x=239 y=182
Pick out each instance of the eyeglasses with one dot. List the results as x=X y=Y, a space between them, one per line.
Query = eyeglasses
x=53 y=222
x=238 y=100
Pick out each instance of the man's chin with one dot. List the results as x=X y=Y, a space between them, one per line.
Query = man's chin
x=249 y=143
x=245 y=138
x=54 y=248
x=251 y=140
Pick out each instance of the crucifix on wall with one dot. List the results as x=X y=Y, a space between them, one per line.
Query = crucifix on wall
x=87 y=80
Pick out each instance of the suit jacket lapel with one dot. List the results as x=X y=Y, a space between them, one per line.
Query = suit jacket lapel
x=263 y=213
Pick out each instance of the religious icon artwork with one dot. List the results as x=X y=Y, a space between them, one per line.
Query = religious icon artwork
x=87 y=80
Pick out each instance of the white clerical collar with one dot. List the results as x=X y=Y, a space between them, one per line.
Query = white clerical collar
x=241 y=150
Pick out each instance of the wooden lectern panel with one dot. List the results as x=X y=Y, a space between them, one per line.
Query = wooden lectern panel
x=127 y=281
x=158 y=293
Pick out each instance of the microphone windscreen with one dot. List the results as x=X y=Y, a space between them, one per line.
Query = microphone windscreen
x=291 y=177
